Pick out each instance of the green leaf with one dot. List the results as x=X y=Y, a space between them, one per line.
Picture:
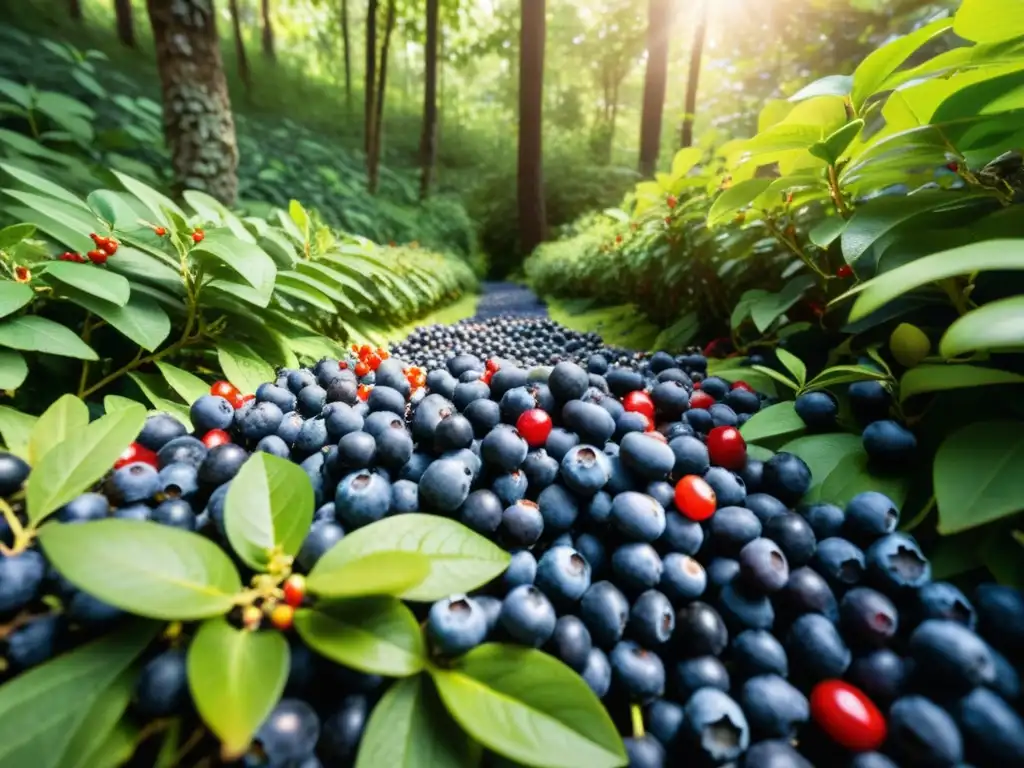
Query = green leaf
x=16 y=428
x=734 y=199
x=72 y=466
x=409 y=728
x=150 y=570
x=756 y=379
x=249 y=261
x=306 y=294
x=793 y=364
x=378 y=573
x=530 y=707
x=843 y=374
x=377 y=635
x=989 y=21
x=852 y=476
x=38 y=725
x=236 y=678
x=13 y=369
x=113 y=403
x=87 y=746
x=101 y=283
x=63 y=420
x=116 y=749
x=460 y=560
x=832 y=148
x=822 y=453
x=825 y=232
x=147 y=382
x=43 y=185
x=113 y=208
x=242 y=366
x=14 y=234
x=938 y=378
x=776 y=376
x=977 y=473
x=982 y=256
x=30 y=333
x=830 y=85
x=269 y=509
x=14 y=296
x=142 y=319
x=300 y=217
x=775 y=420
x=157 y=203
x=767 y=309
x=879 y=64
x=991 y=327
x=188 y=386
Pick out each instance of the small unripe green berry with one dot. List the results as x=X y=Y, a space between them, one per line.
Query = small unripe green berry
x=909 y=345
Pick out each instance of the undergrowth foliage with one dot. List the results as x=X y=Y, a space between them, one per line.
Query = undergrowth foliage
x=870 y=230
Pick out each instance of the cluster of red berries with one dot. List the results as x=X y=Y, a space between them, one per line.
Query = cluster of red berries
x=416 y=377
x=369 y=358
x=491 y=367
x=280 y=612
x=105 y=248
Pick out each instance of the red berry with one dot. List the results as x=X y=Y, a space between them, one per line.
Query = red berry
x=954 y=167
x=373 y=361
x=695 y=498
x=96 y=238
x=97 y=257
x=216 y=437
x=245 y=399
x=844 y=271
x=492 y=365
x=109 y=245
x=282 y=616
x=741 y=385
x=671 y=201
x=640 y=402
x=698 y=384
x=136 y=453
x=362 y=369
x=534 y=425
x=225 y=389
x=159 y=231
x=363 y=392
x=727 y=448
x=197 y=236
x=847 y=715
x=294 y=590
x=618 y=238
x=701 y=399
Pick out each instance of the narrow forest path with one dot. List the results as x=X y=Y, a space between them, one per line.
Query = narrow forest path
x=500 y=298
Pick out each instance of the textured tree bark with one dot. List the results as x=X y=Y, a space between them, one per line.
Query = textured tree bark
x=268 y=32
x=124 y=22
x=659 y=18
x=696 y=53
x=240 y=54
x=370 y=81
x=378 y=118
x=530 y=177
x=347 y=50
x=198 y=125
x=75 y=9
x=428 y=140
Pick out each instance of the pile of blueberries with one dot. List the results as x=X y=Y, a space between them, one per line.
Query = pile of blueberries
x=721 y=620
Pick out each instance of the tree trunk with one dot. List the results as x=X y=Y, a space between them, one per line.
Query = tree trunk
x=530 y=177
x=659 y=20
x=198 y=125
x=369 y=84
x=268 y=32
x=346 y=49
x=378 y=118
x=75 y=9
x=123 y=18
x=428 y=140
x=240 y=55
x=690 y=112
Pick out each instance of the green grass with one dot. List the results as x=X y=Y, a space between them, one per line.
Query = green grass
x=621 y=325
x=452 y=313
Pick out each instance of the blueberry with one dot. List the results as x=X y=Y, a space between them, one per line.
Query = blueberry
x=721 y=571
x=414 y=468
x=503 y=449
x=699 y=419
x=261 y=420
x=540 y=470
x=182 y=450
x=568 y=382
x=291 y=423
x=671 y=398
x=895 y=564
x=732 y=528
x=179 y=481
x=629 y=422
x=394 y=446
x=298 y=380
x=743 y=402
x=356 y=450
x=700 y=631
x=483 y=415
x=818 y=409
x=942 y=600
x=994 y=732
x=605 y=611
x=290 y=732
x=758 y=652
x=445 y=485
x=742 y=609
x=160 y=429
x=681 y=535
x=889 y=444
x=481 y=511
x=468 y=457
x=383 y=398
x=622 y=381
x=651 y=619
x=701 y=672
x=162 y=687
x=775 y=753
x=571 y=642
x=639 y=672
x=33 y=642
x=841 y=562
x=922 y=733
x=558 y=507
x=137 y=511
x=644 y=752
x=321 y=537
x=794 y=537
x=728 y=487
x=585 y=469
x=559 y=442
x=637 y=566
x=682 y=578
x=870 y=515
x=723 y=416
x=787 y=477
x=826 y=520
x=222 y=464
x=590 y=421
x=211 y=412
x=765 y=506
x=716 y=726
x=949 y=652
x=491 y=607
x=691 y=456
x=522 y=569
x=598 y=672
x=881 y=674
x=563 y=575
x=453 y=432
x=279 y=396
x=774 y=708
x=82 y=509
x=362 y=498
x=868 y=616
x=817 y=643
x=89 y=611
x=594 y=552
x=869 y=401
x=131 y=483
x=176 y=513
x=527 y=616
x=763 y=567
x=646 y=456
x=1001 y=616
x=340 y=420
x=637 y=516
x=521 y=523
x=456 y=625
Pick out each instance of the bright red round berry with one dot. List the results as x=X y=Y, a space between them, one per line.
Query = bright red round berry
x=727 y=448
x=639 y=402
x=245 y=399
x=671 y=201
x=159 y=231
x=701 y=399
x=847 y=715
x=97 y=257
x=534 y=425
x=197 y=236
x=225 y=389
x=216 y=437
x=109 y=246
x=742 y=385
x=135 y=453
x=362 y=369
x=294 y=590
x=844 y=272
x=695 y=498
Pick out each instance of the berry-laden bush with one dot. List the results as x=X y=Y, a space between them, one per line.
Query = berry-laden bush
x=863 y=252
x=661 y=593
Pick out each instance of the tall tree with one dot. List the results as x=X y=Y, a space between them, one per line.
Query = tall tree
x=198 y=124
x=428 y=139
x=530 y=176
x=659 y=22
x=268 y=32
x=347 y=51
x=75 y=9
x=124 y=22
x=240 y=54
x=378 y=118
x=370 y=78
x=693 y=80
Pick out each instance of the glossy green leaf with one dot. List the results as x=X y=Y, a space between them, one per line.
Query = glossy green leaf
x=38 y=725
x=377 y=635
x=44 y=186
x=188 y=386
x=989 y=21
x=242 y=366
x=460 y=559
x=30 y=333
x=157 y=203
x=101 y=283
x=71 y=466
x=300 y=217
x=845 y=374
x=793 y=364
x=825 y=232
x=734 y=199
x=938 y=378
x=307 y=294
x=114 y=208
x=87 y=746
x=530 y=707
x=879 y=64
x=141 y=319
x=831 y=148
x=977 y=257
x=16 y=428
x=14 y=234
x=776 y=376
x=78 y=220
x=247 y=260
x=236 y=678
x=830 y=85
x=268 y=509
x=14 y=296
x=13 y=369
x=63 y=420
x=409 y=728
x=775 y=420
x=852 y=476
x=150 y=570
x=976 y=474
x=147 y=382
x=996 y=326
x=378 y=573
x=113 y=403
x=822 y=453
x=769 y=308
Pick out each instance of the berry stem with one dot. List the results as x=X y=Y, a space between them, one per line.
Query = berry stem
x=836 y=193
x=637 y=715
x=22 y=536
x=919 y=518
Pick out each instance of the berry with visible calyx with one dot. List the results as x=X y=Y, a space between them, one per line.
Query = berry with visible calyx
x=294 y=590
x=282 y=616
x=695 y=498
x=252 y=617
x=97 y=257
x=844 y=272
x=137 y=453
x=216 y=437
x=197 y=236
